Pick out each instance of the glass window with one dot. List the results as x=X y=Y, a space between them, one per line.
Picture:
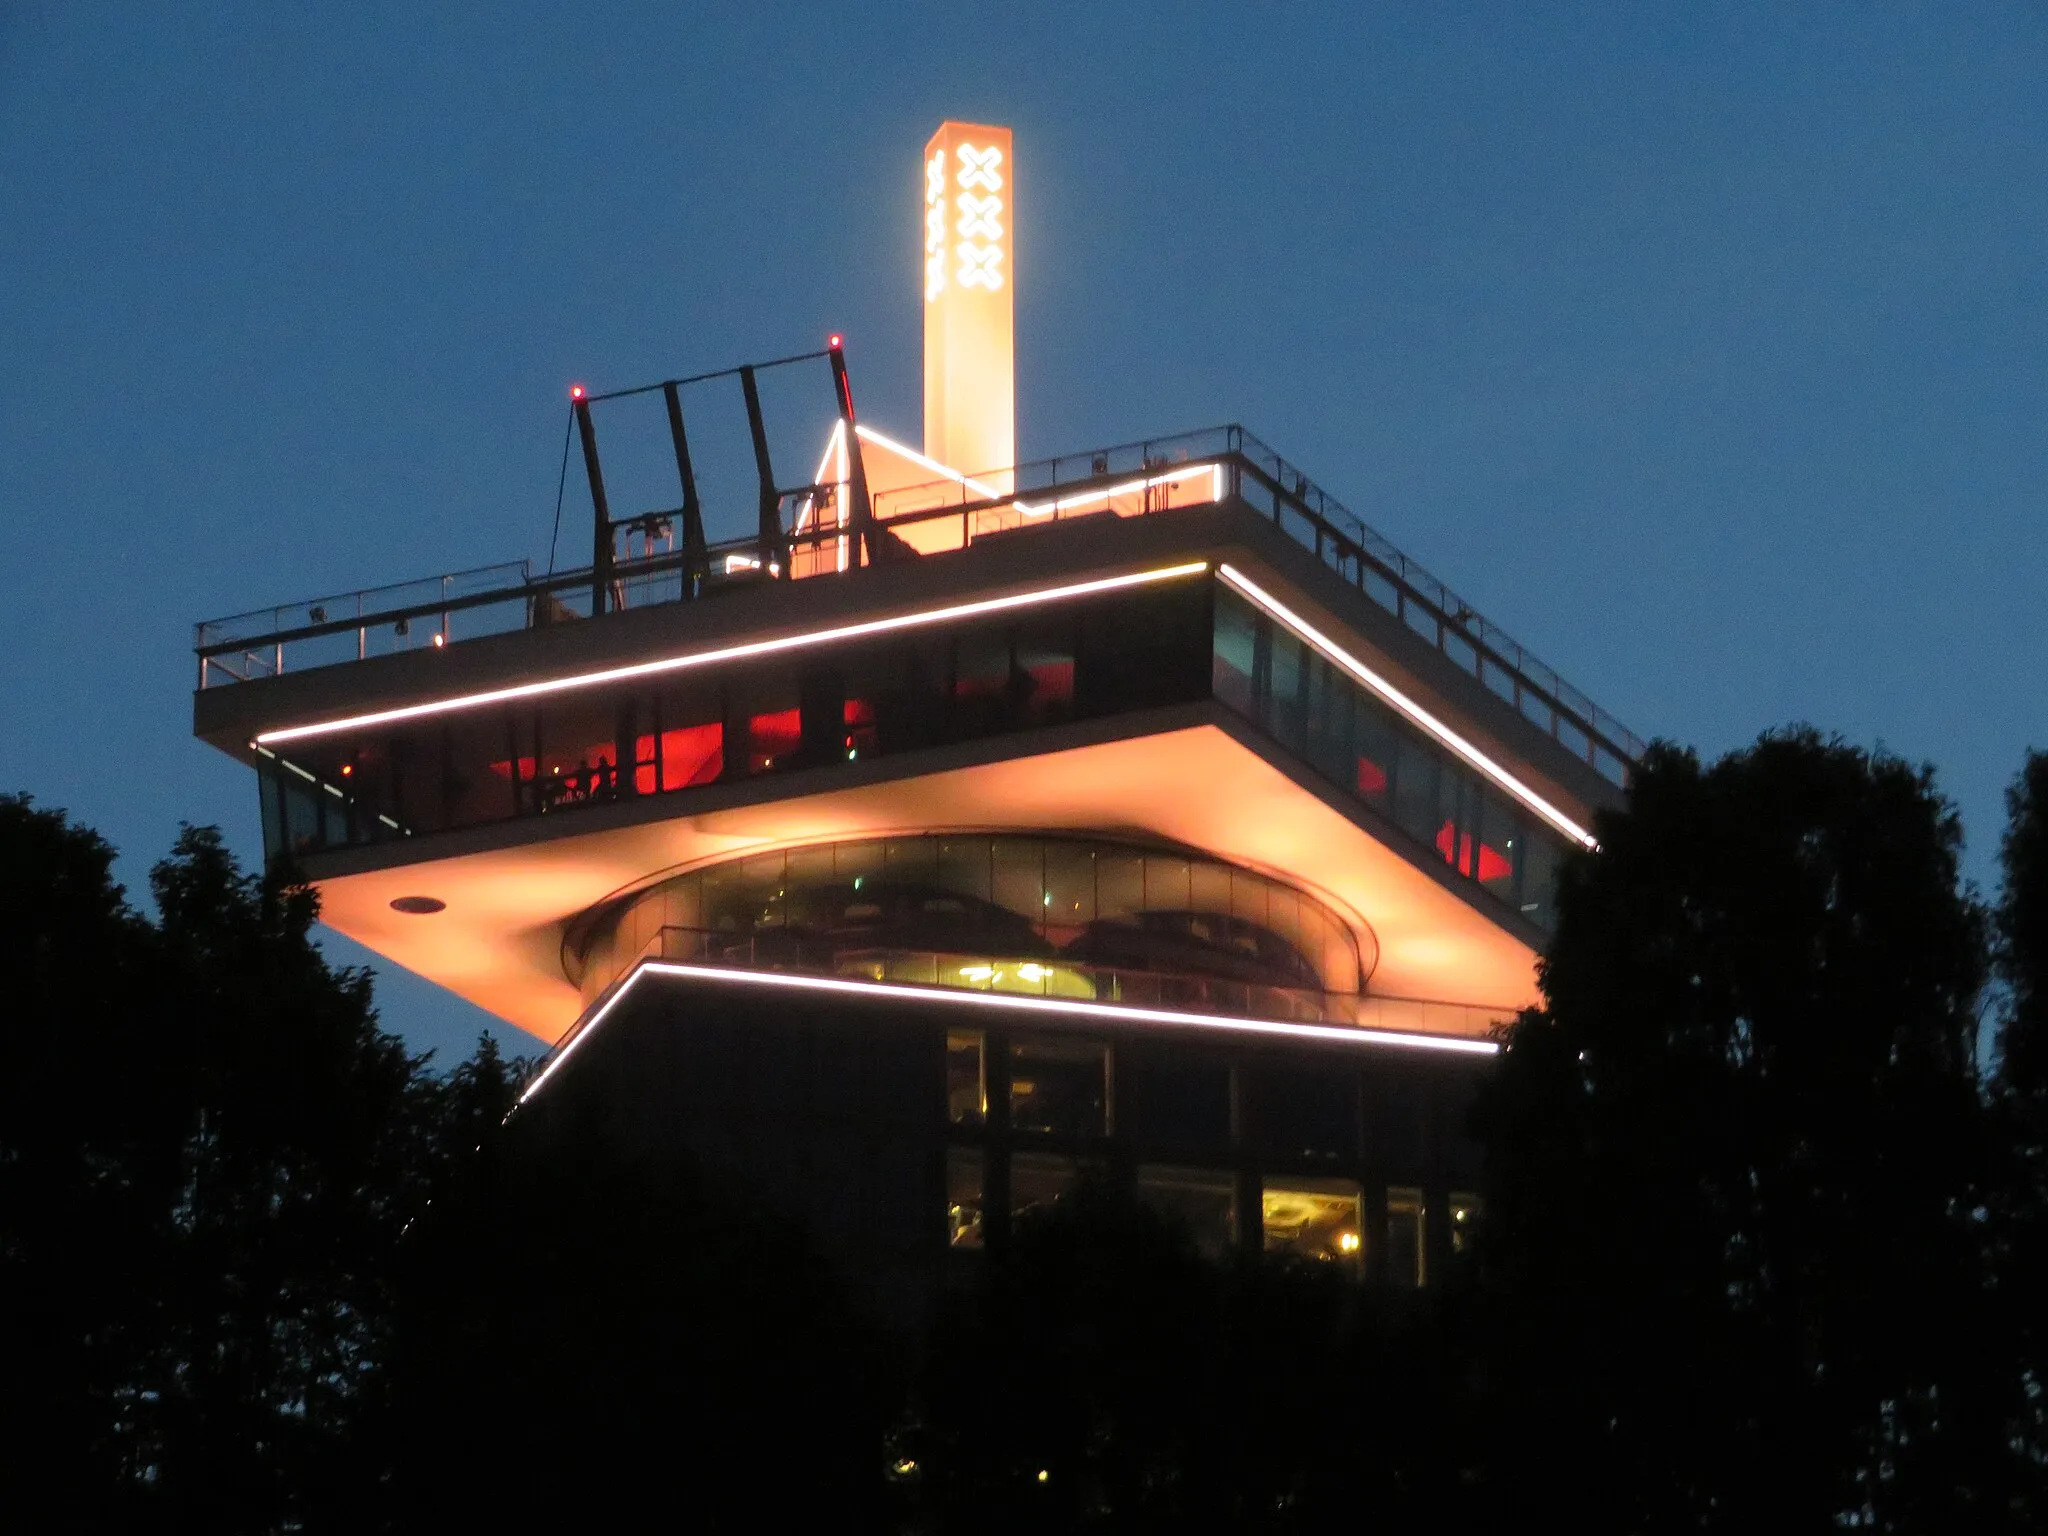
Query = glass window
x=1305 y=1112
x=1018 y=878
x=1314 y=1219
x=1415 y=791
x=1201 y=1201
x=1069 y=890
x=1286 y=704
x=1498 y=846
x=1407 y=1265
x=1167 y=883
x=1044 y=677
x=1119 y=886
x=966 y=1083
x=1464 y=1221
x=963 y=1197
x=1059 y=1086
x=1235 y=645
x=1540 y=866
x=1174 y=1100
x=1037 y=1182
x=964 y=866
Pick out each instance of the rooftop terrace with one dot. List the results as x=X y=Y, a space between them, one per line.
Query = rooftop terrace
x=651 y=565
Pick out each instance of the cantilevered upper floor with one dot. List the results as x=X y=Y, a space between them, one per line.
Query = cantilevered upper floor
x=1182 y=643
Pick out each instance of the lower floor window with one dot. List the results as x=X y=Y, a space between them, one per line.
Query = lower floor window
x=1038 y=1181
x=1464 y=1222
x=1315 y=1219
x=963 y=1197
x=1201 y=1201
x=1407 y=1264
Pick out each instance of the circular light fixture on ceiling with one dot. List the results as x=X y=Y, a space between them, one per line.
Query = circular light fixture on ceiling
x=418 y=906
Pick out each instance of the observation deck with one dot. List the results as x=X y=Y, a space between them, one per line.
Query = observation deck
x=1181 y=639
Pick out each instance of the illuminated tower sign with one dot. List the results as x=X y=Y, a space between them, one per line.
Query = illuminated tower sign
x=969 y=283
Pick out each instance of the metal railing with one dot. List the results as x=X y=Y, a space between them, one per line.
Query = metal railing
x=1128 y=479
x=1054 y=977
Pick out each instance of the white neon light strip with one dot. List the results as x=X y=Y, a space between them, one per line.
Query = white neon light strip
x=795 y=642
x=1041 y=508
x=1407 y=706
x=1050 y=1007
x=942 y=471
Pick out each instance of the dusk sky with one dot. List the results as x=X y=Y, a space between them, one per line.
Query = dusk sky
x=1703 y=348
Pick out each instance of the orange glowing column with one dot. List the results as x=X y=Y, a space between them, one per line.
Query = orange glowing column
x=970 y=414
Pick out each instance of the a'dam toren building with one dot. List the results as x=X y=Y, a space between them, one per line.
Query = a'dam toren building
x=966 y=827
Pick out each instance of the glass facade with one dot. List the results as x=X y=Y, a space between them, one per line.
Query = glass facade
x=1174 y=642
x=1201 y=1201
x=963 y=1197
x=1319 y=1220
x=563 y=753
x=1407 y=1261
x=1245 y=1150
x=1376 y=758
x=1047 y=916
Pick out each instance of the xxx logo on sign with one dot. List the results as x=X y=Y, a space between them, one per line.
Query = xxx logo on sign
x=935 y=227
x=978 y=264
x=978 y=167
x=980 y=217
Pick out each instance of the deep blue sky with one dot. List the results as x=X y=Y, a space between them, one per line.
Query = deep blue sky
x=1705 y=352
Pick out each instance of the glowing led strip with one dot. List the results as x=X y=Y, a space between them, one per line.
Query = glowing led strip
x=944 y=471
x=1407 y=706
x=665 y=664
x=1050 y=1007
x=1041 y=508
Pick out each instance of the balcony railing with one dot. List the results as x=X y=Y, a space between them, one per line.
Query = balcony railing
x=945 y=971
x=1128 y=480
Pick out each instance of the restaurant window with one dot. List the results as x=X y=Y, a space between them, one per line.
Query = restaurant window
x=963 y=1197
x=1174 y=1101
x=1200 y=1201
x=1465 y=1212
x=1039 y=1182
x=966 y=1079
x=1059 y=1086
x=1305 y=1112
x=1313 y=1219
x=1407 y=1263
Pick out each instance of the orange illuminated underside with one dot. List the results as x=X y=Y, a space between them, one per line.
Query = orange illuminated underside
x=498 y=943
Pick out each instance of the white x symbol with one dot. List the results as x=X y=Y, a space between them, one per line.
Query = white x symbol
x=978 y=265
x=978 y=217
x=978 y=167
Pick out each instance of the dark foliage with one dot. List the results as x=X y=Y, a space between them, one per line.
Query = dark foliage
x=209 y=1152
x=2020 y=1101
x=1106 y=1377
x=1736 y=1164
x=587 y=1342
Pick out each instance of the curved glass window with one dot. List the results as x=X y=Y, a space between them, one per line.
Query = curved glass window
x=1050 y=916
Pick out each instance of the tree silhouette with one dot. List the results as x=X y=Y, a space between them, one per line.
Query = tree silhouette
x=1733 y=1163
x=589 y=1340
x=208 y=1152
x=1104 y=1376
x=2020 y=1209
